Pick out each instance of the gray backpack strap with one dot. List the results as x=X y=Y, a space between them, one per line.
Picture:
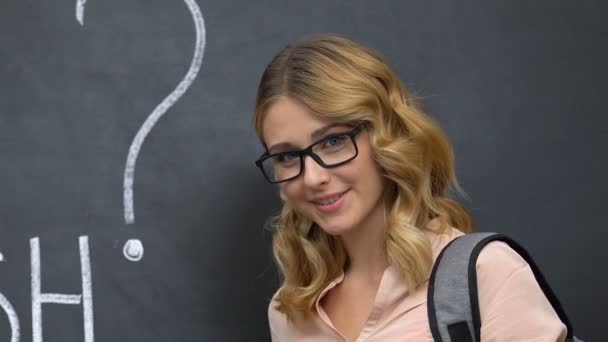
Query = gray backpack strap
x=451 y=315
x=453 y=306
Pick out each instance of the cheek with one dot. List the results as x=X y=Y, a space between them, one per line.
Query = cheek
x=369 y=174
x=364 y=163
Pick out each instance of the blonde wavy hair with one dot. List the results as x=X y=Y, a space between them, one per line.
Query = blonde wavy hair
x=340 y=80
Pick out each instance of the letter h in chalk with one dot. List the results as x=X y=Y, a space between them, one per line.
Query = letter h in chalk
x=39 y=298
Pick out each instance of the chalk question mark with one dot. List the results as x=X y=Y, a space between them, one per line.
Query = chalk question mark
x=133 y=249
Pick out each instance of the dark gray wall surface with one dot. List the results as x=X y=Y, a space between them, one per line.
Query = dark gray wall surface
x=519 y=86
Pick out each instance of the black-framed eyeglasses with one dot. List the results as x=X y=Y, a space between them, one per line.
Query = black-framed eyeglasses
x=331 y=151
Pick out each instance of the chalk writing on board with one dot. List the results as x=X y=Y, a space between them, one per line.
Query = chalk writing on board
x=133 y=250
x=13 y=320
x=152 y=119
x=38 y=298
x=80 y=11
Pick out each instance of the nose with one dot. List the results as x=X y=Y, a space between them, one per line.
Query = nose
x=314 y=174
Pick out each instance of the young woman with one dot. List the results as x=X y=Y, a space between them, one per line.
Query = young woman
x=363 y=174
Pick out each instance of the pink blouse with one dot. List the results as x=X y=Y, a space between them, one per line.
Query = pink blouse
x=511 y=304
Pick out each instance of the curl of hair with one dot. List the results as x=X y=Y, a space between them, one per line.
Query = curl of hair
x=338 y=79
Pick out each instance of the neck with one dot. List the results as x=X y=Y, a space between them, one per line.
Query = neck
x=366 y=248
x=366 y=260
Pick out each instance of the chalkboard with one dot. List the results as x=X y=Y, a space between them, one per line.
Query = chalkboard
x=130 y=207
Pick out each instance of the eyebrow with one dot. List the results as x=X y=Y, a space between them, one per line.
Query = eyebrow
x=314 y=136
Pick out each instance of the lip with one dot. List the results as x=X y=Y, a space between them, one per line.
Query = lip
x=322 y=198
x=332 y=207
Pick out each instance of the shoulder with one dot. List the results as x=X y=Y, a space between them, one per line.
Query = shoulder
x=511 y=302
x=439 y=236
x=493 y=254
x=496 y=265
x=500 y=267
x=275 y=317
x=499 y=260
x=277 y=321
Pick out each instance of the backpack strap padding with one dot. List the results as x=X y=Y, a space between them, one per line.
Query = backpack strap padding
x=451 y=307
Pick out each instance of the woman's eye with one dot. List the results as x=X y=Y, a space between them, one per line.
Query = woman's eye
x=335 y=141
x=287 y=156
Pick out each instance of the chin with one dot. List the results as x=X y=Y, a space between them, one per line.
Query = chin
x=335 y=229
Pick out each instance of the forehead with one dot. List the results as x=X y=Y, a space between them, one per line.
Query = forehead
x=289 y=121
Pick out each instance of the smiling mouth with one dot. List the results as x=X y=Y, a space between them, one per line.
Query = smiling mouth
x=330 y=200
